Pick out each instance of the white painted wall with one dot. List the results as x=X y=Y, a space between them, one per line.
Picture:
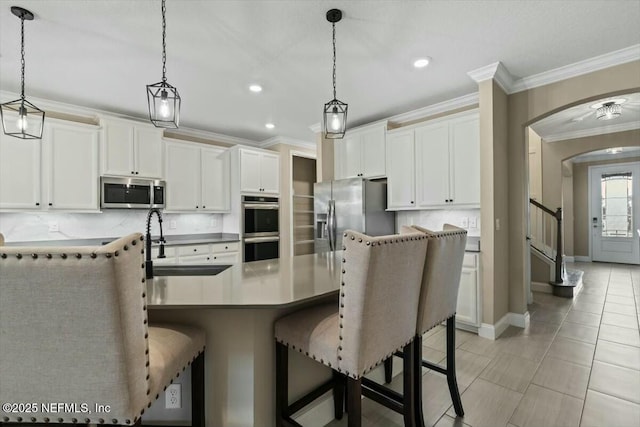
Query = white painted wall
x=23 y=227
x=435 y=219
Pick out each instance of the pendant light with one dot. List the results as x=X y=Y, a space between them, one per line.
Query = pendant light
x=335 y=111
x=20 y=118
x=163 y=99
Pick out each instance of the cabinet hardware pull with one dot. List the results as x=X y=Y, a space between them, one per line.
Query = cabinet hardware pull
x=196 y=207
x=203 y=206
x=37 y=204
x=50 y=204
x=132 y=173
x=412 y=202
x=136 y=173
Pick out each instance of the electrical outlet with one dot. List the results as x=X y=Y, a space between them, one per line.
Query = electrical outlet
x=213 y=223
x=173 y=224
x=173 y=397
x=465 y=222
x=53 y=226
x=473 y=222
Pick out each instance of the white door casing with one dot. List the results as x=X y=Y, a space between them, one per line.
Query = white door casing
x=614 y=220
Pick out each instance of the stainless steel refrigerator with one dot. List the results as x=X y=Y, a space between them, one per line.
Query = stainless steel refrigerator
x=349 y=204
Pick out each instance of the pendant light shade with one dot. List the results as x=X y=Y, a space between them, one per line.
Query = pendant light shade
x=164 y=100
x=20 y=118
x=335 y=111
x=608 y=111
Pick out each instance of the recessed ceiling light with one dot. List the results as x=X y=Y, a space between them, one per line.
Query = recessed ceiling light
x=269 y=125
x=421 y=62
x=612 y=101
x=255 y=88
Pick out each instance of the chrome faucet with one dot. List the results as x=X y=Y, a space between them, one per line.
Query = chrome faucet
x=148 y=264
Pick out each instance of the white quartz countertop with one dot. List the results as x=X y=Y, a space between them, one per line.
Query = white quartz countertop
x=269 y=284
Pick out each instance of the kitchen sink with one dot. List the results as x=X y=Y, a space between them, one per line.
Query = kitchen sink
x=189 y=270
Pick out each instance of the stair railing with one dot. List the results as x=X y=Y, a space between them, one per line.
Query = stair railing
x=546 y=234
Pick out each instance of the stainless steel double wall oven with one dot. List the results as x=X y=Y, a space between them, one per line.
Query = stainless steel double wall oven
x=261 y=227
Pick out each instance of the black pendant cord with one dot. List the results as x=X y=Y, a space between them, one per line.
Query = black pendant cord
x=22 y=56
x=333 y=24
x=164 y=43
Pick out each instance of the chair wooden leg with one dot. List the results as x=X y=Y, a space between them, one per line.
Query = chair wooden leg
x=197 y=392
x=451 y=366
x=388 y=370
x=338 y=395
x=354 y=402
x=417 y=380
x=282 y=383
x=408 y=385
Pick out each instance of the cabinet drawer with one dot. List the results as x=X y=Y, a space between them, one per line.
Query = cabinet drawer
x=225 y=247
x=193 y=250
x=226 y=258
x=164 y=261
x=470 y=261
x=195 y=259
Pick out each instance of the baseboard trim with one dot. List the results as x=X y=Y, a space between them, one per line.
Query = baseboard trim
x=580 y=258
x=541 y=287
x=520 y=320
x=487 y=330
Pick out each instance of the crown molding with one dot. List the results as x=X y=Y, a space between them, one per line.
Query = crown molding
x=617 y=57
x=213 y=136
x=496 y=71
x=602 y=130
x=288 y=141
x=441 y=107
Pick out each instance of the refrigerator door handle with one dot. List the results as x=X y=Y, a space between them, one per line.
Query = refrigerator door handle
x=331 y=224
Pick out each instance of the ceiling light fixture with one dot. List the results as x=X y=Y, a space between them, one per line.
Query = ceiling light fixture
x=421 y=62
x=269 y=125
x=164 y=100
x=255 y=88
x=335 y=111
x=614 y=150
x=608 y=111
x=20 y=118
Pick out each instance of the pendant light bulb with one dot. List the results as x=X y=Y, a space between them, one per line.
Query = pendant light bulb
x=164 y=110
x=22 y=123
x=336 y=123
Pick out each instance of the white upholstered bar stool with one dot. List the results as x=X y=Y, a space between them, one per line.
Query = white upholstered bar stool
x=376 y=316
x=74 y=330
x=438 y=302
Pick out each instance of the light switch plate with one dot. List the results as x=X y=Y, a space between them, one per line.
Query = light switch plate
x=473 y=222
x=465 y=222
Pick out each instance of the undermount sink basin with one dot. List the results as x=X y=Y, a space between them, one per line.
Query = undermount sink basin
x=189 y=270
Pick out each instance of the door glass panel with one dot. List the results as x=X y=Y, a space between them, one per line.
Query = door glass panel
x=617 y=205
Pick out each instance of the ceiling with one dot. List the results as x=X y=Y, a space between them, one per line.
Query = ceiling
x=580 y=120
x=101 y=54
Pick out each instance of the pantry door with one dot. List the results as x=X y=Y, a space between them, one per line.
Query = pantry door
x=614 y=215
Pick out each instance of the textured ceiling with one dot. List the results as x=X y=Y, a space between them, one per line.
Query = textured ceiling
x=101 y=54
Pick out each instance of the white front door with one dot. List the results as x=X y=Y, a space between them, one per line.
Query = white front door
x=614 y=215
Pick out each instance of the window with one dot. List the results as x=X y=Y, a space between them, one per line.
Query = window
x=617 y=205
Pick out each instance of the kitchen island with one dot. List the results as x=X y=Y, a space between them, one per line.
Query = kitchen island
x=237 y=309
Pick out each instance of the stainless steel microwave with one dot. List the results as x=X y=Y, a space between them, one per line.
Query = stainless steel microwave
x=131 y=193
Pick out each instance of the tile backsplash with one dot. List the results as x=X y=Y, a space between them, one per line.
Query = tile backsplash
x=23 y=227
x=435 y=219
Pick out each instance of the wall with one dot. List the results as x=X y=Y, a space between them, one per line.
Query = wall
x=285 y=192
x=24 y=226
x=581 y=225
x=535 y=165
x=527 y=107
x=435 y=219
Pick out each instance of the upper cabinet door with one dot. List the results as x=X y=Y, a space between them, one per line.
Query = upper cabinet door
x=250 y=171
x=215 y=180
x=270 y=173
x=432 y=157
x=183 y=177
x=400 y=170
x=351 y=157
x=465 y=162
x=117 y=149
x=72 y=160
x=19 y=173
x=148 y=152
x=373 y=153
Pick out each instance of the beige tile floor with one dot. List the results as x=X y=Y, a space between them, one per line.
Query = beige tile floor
x=577 y=364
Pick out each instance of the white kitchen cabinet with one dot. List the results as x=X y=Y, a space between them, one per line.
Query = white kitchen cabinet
x=197 y=177
x=361 y=153
x=435 y=165
x=214 y=253
x=71 y=161
x=400 y=170
x=20 y=173
x=131 y=149
x=468 y=309
x=259 y=171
